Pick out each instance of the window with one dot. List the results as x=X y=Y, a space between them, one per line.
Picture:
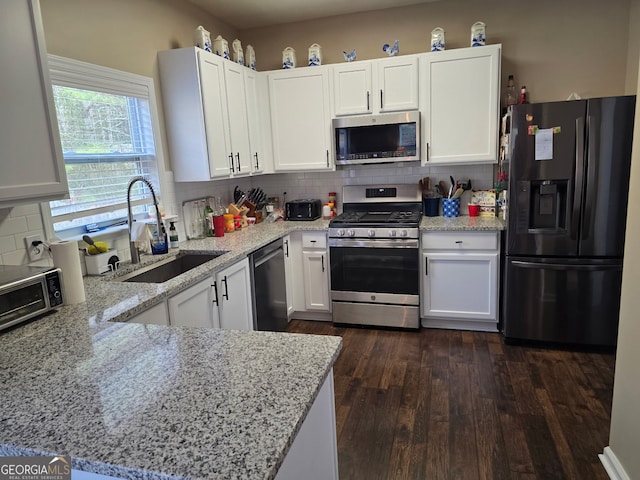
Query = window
x=106 y=119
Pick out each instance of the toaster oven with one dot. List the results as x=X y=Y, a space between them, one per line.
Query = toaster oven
x=303 y=209
x=27 y=292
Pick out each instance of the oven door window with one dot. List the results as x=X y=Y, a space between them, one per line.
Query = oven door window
x=21 y=302
x=375 y=270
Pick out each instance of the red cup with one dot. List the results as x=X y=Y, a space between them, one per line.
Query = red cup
x=474 y=210
x=218 y=226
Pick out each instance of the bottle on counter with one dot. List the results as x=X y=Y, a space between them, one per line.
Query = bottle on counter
x=333 y=204
x=208 y=217
x=510 y=92
x=523 y=95
x=173 y=236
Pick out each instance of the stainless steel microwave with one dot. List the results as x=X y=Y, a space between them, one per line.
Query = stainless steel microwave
x=390 y=137
x=26 y=292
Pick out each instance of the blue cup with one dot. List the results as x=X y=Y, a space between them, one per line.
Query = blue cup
x=451 y=207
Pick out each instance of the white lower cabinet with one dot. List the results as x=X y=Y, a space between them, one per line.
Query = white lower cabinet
x=156 y=315
x=315 y=264
x=221 y=301
x=233 y=285
x=288 y=272
x=192 y=306
x=314 y=452
x=460 y=280
x=308 y=274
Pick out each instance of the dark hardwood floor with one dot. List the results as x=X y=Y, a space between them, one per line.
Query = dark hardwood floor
x=440 y=404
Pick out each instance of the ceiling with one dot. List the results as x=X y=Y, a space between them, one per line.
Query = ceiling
x=244 y=14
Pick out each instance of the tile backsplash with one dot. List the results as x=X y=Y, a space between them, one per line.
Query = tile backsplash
x=18 y=222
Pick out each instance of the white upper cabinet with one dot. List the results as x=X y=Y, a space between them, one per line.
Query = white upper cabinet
x=238 y=119
x=301 y=119
x=459 y=100
x=376 y=86
x=33 y=166
x=255 y=85
x=207 y=115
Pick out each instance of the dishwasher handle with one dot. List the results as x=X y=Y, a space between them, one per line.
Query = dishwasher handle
x=266 y=258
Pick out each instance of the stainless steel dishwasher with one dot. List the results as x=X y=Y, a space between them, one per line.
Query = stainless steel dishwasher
x=269 y=288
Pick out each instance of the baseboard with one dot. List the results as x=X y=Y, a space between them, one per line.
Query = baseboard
x=316 y=316
x=612 y=465
x=460 y=324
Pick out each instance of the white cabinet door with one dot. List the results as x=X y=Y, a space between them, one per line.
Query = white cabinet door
x=234 y=296
x=156 y=315
x=376 y=86
x=459 y=96
x=460 y=285
x=193 y=306
x=397 y=84
x=29 y=133
x=238 y=119
x=216 y=114
x=254 y=114
x=316 y=280
x=352 y=88
x=288 y=272
x=301 y=119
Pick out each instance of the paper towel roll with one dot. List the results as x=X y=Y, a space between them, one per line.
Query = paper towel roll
x=66 y=256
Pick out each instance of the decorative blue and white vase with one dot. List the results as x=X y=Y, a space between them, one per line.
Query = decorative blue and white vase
x=202 y=38
x=315 y=55
x=288 y=58
x=437 y=39
x=478 y=34
x=250 y=57
x=238 y=56
x=221 y=47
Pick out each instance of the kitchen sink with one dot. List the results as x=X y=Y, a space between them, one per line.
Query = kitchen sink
x=167 y=269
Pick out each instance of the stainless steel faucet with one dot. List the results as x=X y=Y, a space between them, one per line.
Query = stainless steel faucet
x=135 y=255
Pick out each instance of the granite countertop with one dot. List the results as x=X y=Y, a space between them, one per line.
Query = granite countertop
x=149 y=401
x=463 y=222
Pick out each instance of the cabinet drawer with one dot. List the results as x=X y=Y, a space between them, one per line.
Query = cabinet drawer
x=314 y=240
x=464 y=240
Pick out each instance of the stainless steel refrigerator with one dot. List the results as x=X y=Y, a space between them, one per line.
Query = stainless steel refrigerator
x=569 y=168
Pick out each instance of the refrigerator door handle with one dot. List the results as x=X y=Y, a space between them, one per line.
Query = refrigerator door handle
x=564 y=266
x=577 y=186
x=591 y=180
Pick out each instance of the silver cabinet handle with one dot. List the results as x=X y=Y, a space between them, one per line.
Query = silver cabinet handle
x=238 y=158
x=286 y=244
x=381 y=102
x=255 y=155
x=426 y=266
x=232 y=165
x=327 y=158
x=368 y=108
x=322 y=262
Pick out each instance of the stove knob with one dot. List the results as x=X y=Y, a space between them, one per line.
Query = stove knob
x=371 y=233
x=351 y=233
x=392 y=233
x=403 y=233
x=340 y=233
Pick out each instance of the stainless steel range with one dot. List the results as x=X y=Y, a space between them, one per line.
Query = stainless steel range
x=374 y=256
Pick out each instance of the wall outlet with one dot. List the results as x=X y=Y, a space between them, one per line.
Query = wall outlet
x=36 y=252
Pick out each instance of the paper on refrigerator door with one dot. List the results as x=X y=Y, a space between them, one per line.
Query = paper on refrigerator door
x=544 y=144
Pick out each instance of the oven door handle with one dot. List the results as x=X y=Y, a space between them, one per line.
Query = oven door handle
x=379 y=243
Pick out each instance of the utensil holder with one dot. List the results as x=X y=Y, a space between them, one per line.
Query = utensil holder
x=451 y=207
x=431 y=206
